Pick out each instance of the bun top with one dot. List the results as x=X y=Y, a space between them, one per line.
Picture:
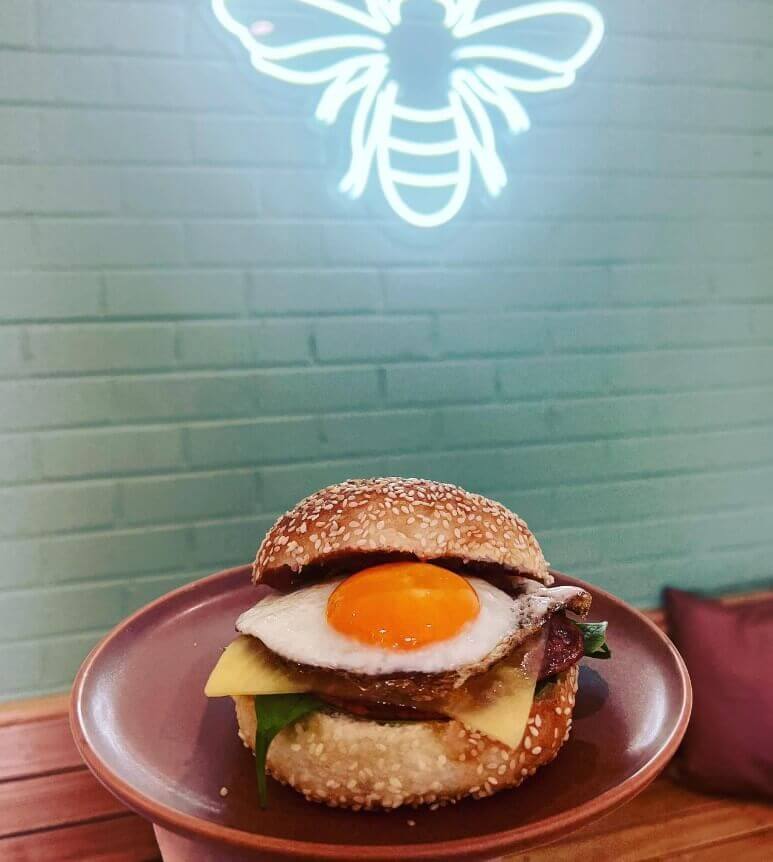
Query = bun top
x=370 y=520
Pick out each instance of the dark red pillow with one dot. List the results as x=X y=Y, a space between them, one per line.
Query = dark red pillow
x=728 y=649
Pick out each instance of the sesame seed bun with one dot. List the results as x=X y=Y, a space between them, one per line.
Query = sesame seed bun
x=383 y=518
x=357 y=763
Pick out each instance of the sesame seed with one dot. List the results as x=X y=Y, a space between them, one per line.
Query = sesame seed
x=533 y=731
x=224 y=791
x=536 y=750
x=527 y=742
x=411 y=822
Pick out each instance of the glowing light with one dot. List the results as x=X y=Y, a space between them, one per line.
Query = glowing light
x=355 y=66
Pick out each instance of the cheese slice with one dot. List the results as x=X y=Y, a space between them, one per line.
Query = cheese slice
x=242 y=669
x=504 y=717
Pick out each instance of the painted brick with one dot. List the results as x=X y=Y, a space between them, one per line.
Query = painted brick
x=11 y=351
x=61 y=78
x=114 y=136
x=564 y=241
x=239 y=394
x=89 y=347
x=52 y=404
x=17 y=23
x=314 y=390
x=664 y=18
x=174 y=397
x=630 y=542
x=22 y=564
x=20 y=667
x=662 y=371
x=175 y=84
x=111 y=554
x=39 y=189
x=45 y=612
x=664 y=496
x=184 y=498
x=314 y=292
x=239 y=140
x=567 y=288
x=49 y=295
x=93 y=244
x=229 y=544
x=501 y=334
x=16 y=248
x=528 y=467
x=55 y=509
x=121 y=27
x=437 y=383
x=376 y=432
x=691 y=571
x=658 y=328
x=143 y=590
x=252 y=242
x=20 y=139
x=203 y=38
x=660 y=151
x=190 y=192
x=17 y=459
x=243 y=343
x=667 y=61
x=282 y=487
x=664 y=197
x=107 y=452
x=174 y=294
x=295 y=193
x=246 y=443
x=505 y=424
x=59 y=656
x=373 y=339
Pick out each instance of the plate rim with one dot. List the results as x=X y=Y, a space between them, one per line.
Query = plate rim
x=510 y=840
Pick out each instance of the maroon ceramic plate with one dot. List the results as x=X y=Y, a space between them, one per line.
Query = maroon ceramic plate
x=144 y=727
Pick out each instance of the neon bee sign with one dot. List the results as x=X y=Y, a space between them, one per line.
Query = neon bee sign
x=424 y=156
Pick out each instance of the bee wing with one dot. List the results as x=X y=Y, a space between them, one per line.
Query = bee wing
x=351 y=39
x=475 y=130
x=369 y=126
x=568 y=34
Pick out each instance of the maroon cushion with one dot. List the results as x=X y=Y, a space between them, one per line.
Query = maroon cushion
x=728 y=650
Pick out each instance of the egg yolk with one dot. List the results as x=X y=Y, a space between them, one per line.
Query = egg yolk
x=402 y=606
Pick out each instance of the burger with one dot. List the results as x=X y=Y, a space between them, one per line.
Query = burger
x=411 y=649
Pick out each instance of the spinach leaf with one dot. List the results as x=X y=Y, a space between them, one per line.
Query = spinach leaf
x=595 y=638
x=273 y=713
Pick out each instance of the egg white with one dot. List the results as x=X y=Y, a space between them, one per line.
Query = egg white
x=295 y=627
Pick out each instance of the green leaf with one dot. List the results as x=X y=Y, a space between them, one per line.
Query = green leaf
x=274 y=712
x=595 y=639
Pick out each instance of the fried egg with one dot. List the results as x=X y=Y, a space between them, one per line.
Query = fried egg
x=388 y=619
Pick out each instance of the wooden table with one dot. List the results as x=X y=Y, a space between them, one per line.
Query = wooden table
x=53 y=810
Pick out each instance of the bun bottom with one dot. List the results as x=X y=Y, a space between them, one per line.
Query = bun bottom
x=349 y=762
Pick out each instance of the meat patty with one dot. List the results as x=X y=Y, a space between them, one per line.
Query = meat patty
x=563 y=648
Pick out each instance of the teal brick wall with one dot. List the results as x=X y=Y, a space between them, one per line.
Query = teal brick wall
x=196 y=330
